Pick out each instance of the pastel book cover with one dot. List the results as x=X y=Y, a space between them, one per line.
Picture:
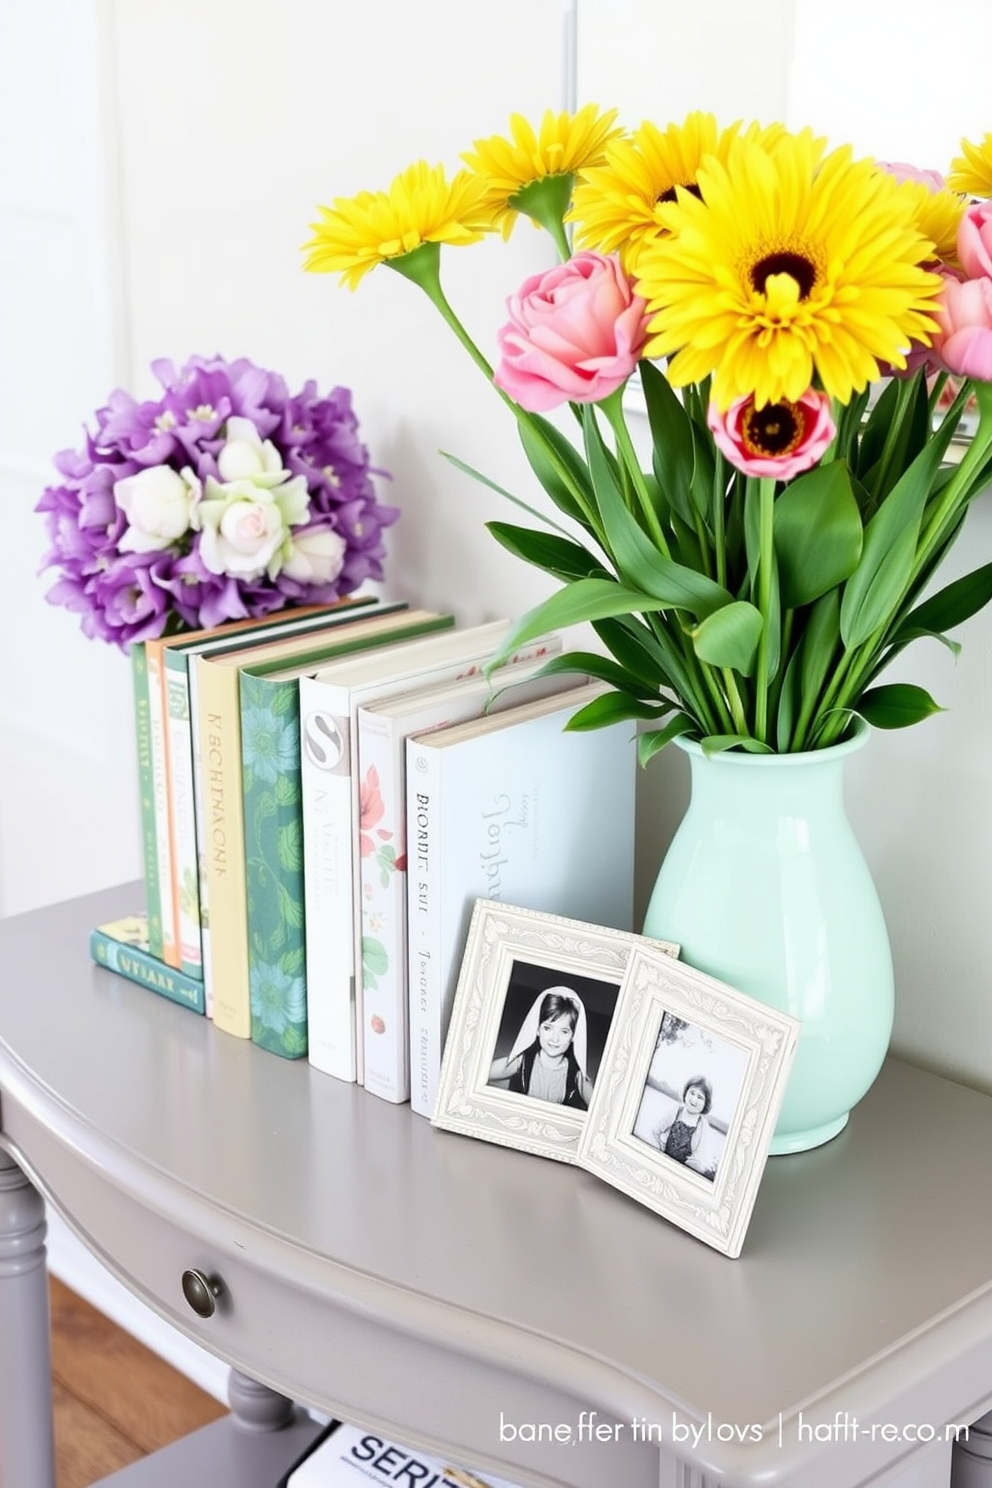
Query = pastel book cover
x=383 y=729
x=215 y=700
x=178 y=653
x=183 y=769
x=122 y=946
x=333 y=816
x=513 y=807
x=272 y=808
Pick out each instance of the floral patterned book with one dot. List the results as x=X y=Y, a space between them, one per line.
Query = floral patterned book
x=273 y=828
x=216 y=707
x=383 y=729
x=329 y=703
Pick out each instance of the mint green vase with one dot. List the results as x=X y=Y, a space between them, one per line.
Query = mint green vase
x=766 y=887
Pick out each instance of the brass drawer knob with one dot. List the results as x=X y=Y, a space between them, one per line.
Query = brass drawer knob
x=201 y=1292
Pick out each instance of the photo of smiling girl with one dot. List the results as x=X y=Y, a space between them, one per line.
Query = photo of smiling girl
x=548 y=1057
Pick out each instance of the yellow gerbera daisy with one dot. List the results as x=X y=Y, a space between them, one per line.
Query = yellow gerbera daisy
x=616 y=205
x=971 y=171
x=790 y=266
x=564 y=143
x=937 y=214
x=421 y=206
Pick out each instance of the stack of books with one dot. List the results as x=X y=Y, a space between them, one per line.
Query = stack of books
x=326 y=792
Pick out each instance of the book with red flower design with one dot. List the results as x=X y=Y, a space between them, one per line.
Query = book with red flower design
x=332 y=807
x=383 y=729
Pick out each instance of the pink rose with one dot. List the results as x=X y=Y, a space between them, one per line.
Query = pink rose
x=574 y=334
x=780 y=440
x=963 y=341
x=975 y=240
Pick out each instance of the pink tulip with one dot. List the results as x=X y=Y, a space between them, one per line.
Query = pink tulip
x=963 y=341
x=574 y=334
x=975 y=240
x=780 y=440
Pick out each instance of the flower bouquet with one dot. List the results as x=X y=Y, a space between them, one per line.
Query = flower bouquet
x=225 y=498
x=794 y=316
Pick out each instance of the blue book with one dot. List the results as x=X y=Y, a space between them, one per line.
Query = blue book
x=122 y=946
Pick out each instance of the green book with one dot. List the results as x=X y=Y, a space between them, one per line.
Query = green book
x=146 y=794
x=273 y=831
x=122 y=946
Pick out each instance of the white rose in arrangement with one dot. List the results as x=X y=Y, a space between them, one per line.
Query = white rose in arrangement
x=159 y=504
x=247 y=456
x=244 y=526
x=315 y=556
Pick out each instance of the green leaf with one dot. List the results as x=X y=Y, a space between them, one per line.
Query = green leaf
x=645 y=658
x=637 y=558
x=290 y=847
x=811 y=663
x=897 y=705
x=287 y=789
x=729 y=637
x=559 y=556
x=582 y=601
x=614 y=707
x=671 y=438
x=502 y=491
x=951 y=606
x=549 y=453
x=703 y=468
x=655 y=740
x=818 y=534
x=874 y=591
x=720 y=743
x=374 y=955
x=604 y=668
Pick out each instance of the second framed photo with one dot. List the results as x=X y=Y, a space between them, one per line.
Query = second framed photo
x=691 y=1082
x=533 y=1008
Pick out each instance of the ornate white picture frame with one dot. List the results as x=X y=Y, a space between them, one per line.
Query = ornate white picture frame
x=691 y=1083
x=530 y=1022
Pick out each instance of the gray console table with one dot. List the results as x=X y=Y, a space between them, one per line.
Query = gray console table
x=461 y=1297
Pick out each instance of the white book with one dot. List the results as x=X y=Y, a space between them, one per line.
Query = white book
x=509 y=807
x=351 y=1457
x=329 y=703
x=382 y=730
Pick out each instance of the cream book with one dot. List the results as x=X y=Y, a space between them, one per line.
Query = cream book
x=335 y=820
x=513 y=807
x=218 y=722
x=383 y=729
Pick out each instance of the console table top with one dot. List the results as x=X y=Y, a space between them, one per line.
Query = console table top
x=864 y=1283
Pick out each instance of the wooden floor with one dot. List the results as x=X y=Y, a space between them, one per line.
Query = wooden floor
x=115 y=1400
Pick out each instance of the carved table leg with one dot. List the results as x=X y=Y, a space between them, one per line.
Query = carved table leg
x=27 y=1453
x=255 y=1406
x=971 y=1461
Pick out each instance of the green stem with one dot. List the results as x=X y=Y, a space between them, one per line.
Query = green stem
x=613 y=409
x=960 y=484
x=734 y=699
x=720 y=518
x=422 y=266
x=766 y=559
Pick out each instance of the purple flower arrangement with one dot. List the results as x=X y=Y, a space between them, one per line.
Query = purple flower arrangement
x=226 y=498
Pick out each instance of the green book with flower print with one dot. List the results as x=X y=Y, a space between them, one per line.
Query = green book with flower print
x=273 y=827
